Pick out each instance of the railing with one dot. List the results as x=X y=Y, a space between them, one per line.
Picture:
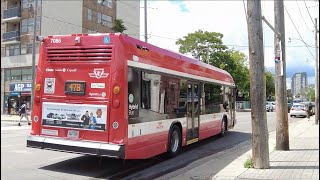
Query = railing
x=11 y=36
x=12 y=12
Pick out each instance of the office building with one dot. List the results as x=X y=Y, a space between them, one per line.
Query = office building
x=298 y=82
x=53 y=18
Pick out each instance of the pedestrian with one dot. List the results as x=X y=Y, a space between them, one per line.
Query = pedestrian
x=23 y=113
x=308 y=110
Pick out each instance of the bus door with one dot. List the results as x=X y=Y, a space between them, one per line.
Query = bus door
x=193 y=112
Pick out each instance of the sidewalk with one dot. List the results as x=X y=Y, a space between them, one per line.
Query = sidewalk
x=13 y=118
x=301 y=162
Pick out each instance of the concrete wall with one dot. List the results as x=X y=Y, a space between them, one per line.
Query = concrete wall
x=17 y=61
x=129 y=12
x=61 y=17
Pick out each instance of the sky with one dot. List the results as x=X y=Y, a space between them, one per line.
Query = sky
x=168 y=21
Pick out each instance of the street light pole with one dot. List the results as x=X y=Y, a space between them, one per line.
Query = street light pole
x=35 y=14
x=145 y=22
x=316 y=76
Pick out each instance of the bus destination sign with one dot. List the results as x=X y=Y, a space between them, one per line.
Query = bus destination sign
x=75 y=88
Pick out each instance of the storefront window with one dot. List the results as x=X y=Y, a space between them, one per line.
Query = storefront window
x=15 y=74
x=7 y=75
x=27 y=74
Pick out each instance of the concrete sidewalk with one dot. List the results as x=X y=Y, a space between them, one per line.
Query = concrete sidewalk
x=301 y=162
x=13 y=118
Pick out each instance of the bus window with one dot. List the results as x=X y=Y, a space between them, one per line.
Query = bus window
x=213 y=99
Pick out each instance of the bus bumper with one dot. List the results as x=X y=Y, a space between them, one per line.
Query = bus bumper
x=74 y=146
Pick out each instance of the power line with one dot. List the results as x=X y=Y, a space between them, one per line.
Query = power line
x=234 y=45
x=309 y=12
x=302 y=16
x=298 y=32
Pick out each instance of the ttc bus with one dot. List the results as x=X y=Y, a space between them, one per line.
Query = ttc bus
x=113 y=95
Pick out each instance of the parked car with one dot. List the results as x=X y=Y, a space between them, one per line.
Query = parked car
x=273 y=105
x=269 y=107
x=298 y=110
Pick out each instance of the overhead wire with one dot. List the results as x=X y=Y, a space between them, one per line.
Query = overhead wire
x=308 y=12
x=302 y=16
x=298 y=32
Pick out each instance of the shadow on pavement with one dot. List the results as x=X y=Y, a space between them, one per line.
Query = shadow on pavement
x=190 y=157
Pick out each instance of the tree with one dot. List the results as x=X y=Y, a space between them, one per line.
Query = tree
x=270 y=86
x=209 y=48
x=118 y=26
x=308 y=93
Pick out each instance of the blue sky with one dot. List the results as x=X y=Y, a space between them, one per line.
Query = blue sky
x=170 y=20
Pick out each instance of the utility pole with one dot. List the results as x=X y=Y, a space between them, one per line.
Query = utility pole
x=317 y=75
x=260 y=136
x=145 y=22
x=35 y=14
x=282 y=132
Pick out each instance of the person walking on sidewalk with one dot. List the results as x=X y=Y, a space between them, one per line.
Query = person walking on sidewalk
x=23 y=113
x=308 y=109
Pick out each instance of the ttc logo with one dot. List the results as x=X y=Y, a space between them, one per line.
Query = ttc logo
x=98 y=73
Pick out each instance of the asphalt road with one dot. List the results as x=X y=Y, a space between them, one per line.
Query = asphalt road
x=19 y=162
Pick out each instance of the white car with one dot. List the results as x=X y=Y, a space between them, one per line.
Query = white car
x=298 y=110
x=269 y=107
x=273 y=105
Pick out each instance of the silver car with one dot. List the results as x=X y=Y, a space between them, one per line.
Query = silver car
x=269 y=107
x=298 y=110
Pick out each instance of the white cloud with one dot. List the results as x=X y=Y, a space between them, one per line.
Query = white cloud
x=168 y=21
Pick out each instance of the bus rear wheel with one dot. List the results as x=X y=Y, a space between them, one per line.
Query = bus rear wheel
x=174 y=143
x=223 y=127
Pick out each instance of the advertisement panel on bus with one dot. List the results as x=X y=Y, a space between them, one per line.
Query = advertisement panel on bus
x=83 y=116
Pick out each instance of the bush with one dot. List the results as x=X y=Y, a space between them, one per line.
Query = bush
x=248 y=163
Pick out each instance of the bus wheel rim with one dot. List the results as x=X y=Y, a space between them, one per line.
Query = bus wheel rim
x=223 y=127
x=174 y=141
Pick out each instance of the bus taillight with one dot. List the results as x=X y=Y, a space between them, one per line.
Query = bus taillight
x=116 y=103
x=116 y=89
x=38 y=87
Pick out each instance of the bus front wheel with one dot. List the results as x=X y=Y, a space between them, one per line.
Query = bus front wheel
x=174 y=141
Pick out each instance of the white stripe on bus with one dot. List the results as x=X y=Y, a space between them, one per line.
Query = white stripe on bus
x=176 y=73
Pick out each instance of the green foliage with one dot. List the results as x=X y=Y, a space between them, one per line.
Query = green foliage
x=208 y=47
x=270 y=86
x=308 y=93
x=118 y=26
x=248 y=163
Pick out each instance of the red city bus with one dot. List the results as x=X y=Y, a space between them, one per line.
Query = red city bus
x=112 y=95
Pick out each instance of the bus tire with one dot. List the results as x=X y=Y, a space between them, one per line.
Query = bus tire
x=174 y=143
x=223 y=127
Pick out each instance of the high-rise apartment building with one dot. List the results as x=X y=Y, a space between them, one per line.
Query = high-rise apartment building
x=298 y=82
x=53 y=17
